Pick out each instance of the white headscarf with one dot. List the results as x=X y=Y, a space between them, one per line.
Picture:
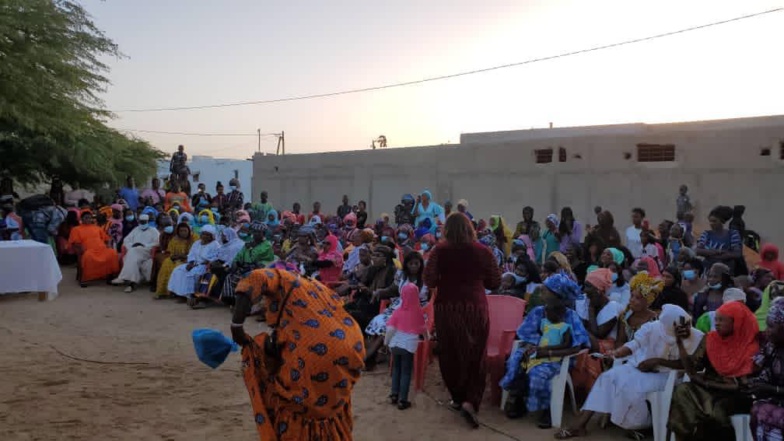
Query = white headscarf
x=671 y=315
x=208 y=229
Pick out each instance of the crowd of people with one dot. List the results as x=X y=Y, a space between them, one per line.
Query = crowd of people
x=653 y=298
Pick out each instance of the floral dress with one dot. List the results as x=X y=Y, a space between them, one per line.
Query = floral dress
x=767 y=414
x=378 y=326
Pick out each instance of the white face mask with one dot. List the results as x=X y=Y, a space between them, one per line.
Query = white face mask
x=144 y=226
x=232 y=187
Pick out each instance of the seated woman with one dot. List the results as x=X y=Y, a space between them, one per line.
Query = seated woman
x=210 y=285
x=621 y=390
x=767 y=413
x=702 y=407
x=644 y=290
x=672 y=293
x=300 y=385
x=330 y=260
x=183 y=279
x=256 y=253
x=719 y=278
x=600 y=318
x=707 y=321
x=619 y=291
x=175 y=255
x=719 y=244
x=96 y=259
x=380 y=275
x=65 y=252
x=303 y=253
x=530 y=389
x=413 y=267
x=167 y=233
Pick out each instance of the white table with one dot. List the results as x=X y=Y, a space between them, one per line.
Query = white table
x=29 y=266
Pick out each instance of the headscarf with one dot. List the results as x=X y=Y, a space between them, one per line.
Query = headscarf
x=350 y=217
x=153 y=214
x=288 y=215
x=117 y=207
x=272 y=224
x=563 y=262
x=315 y=220
x=733 y=295
x=731 y=356
x=209 y=229
x=671 y=315
x=776 y=312
x=553 y=219
x=409 y=317
x=353 y=258
x=258 y=227
x=229 y=250
x=496 y=222
x=487 y=238
x=525 y=241
x=209 y=214
x=601 y=279
x=464 y=203
x=563 y=286
x=617 y=256
x=333 y=253
x=653 y=267
x=648 y=286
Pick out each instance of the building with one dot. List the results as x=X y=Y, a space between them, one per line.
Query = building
x=209 y=170
x=618 y=167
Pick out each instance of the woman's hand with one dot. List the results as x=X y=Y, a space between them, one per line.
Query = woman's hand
x=238 y=335
x=190 y=266
x=649 y=365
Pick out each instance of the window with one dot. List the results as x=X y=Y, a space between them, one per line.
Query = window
x=781 y=150
x=561 y=154
x=544 y=156
x=655 y=153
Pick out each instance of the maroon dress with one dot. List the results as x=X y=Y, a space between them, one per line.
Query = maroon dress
x=461 y=273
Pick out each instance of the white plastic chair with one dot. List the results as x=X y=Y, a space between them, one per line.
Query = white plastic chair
x=740 y=423
x=660 y=406
x=558 y=385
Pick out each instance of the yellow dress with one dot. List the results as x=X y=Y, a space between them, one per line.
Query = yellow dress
x=176 y=246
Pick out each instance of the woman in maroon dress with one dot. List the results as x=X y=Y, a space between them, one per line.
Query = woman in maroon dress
x=461 y=269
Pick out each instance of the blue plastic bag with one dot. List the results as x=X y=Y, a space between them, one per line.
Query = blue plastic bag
x=212 y=347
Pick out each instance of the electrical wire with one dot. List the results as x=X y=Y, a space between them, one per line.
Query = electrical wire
x=198 y=134
x=455 y=75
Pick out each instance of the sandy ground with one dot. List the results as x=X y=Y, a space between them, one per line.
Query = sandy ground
x=163 y=392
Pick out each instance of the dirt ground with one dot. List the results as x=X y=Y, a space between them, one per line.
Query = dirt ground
x=162 y=392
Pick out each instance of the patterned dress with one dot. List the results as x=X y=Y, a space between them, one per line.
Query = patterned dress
x=308 y=397
x=767 y=414
x=178 y=246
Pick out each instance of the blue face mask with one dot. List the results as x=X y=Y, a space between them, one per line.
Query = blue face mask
x=384 y=238
x=689 y=274
x=716 y=286
x=129 y=218
x=614 y=277
x=425 y=246
x=402 y=236
x=205 y=219
x=168 y=229
x=232 y=187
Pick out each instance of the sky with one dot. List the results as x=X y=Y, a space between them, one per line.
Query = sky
x=201 y=52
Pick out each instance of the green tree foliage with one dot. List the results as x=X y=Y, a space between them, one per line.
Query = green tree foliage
x=52 y=121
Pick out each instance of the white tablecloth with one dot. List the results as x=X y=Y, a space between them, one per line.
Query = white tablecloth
x=28 y=266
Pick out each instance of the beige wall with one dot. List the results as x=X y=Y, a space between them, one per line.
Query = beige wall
x=496 y=172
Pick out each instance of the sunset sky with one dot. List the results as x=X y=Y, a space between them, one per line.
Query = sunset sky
x=192 y=53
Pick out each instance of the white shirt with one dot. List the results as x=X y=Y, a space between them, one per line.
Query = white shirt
x=621 y=295
x=610 y=311
x=402 y=340
x=649 y=342
x=148 y=238
x=633 y=241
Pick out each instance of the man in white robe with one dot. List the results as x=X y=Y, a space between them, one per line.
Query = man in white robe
x=137 y=263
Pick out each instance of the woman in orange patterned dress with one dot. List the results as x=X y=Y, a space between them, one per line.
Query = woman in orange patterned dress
x=96 y=259
x=301 y=375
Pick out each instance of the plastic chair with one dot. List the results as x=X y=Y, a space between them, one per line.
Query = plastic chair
x=558 y=385
x=740 y=423
x=660 y=406
x=506 y=314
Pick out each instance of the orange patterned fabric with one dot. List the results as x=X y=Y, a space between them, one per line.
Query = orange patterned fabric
x=322 y=353
x=98 y=261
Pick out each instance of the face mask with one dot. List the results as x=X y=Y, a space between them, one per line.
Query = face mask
x=614 y=277
x=232 y=187
x=205 y=219
x=425 y=247
x=402 y=236
x=168 y=229
x=438 y=235
x=689 y=274
x=243 y=236
x=144 y=226
x=129 y=218
x=384 y=238
x=716 y=286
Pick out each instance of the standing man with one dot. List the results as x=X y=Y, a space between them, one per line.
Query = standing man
x=344 y=209
x=263 y=208
x=130 y=194
x=178 y=160
x=633 y=241
x=220 y=201
x=154 y=195
x=235 y=199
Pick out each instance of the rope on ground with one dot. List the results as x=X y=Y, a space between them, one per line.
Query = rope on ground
x=485 y=425
x=96 y=361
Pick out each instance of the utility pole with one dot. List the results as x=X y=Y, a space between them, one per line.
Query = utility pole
x=281 y=150
x=259 y=132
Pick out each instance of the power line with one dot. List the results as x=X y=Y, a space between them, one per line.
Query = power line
x=199 y=134
x=460 y=74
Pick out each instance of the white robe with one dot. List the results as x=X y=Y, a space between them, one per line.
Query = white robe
x=182 y=281
x=621 y=390
x=137 y=264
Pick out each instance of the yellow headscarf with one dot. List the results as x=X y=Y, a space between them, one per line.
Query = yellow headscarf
x=649 y=287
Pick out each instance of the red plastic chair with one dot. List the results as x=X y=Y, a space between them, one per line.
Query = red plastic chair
x=506 y=314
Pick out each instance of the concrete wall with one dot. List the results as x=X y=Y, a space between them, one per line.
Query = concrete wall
x=211 y=170
x=497 y=173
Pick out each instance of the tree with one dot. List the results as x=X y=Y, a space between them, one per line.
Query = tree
x=52 y=121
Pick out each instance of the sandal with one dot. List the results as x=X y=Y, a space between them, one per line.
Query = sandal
x=569 y=433
x=470 y=418
x=403 y=405
x=393 y=399
x=635 y=435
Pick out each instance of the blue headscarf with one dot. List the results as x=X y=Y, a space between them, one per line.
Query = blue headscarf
x=424 y=228
x=428 y=194
x=153 y=214
x=563 y=286
x=272 y=223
